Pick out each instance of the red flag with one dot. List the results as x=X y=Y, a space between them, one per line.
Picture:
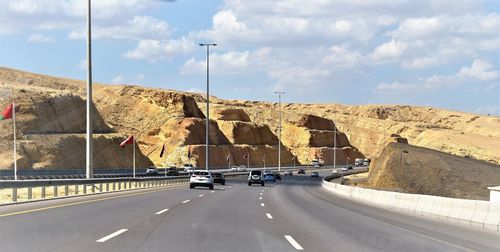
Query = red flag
x=129 y=140
x=227 y=158
x=7 y=113
x=246 y=156
x=189 y=152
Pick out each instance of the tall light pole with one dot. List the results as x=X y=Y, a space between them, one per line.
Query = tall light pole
x=279 y=129
x=334 y=145
x=89 y=141
x=208 y=103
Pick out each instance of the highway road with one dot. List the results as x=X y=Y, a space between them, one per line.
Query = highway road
x=293 y=214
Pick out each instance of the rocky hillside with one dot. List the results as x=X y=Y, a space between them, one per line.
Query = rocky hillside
x=412 y=169
x=51 y=113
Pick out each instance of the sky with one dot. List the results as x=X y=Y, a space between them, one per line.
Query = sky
x=439 y=53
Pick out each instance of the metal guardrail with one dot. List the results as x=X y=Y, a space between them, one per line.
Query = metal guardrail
x=12 y=192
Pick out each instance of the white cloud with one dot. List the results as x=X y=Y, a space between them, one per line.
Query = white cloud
x=390 y=50
x=40 y=38
x=420 y=63
x=119 y=79
x=419 y=28
x=230 y=62
x=342 y=55
x=154 y=50
x=479 y=70
x=139 y=77
x=138 y=28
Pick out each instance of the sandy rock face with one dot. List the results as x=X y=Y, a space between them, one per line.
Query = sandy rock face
x=231 y=114
x=420 y=170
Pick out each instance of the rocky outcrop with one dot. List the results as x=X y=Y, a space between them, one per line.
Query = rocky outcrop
x=412 y=169
x=231 y=114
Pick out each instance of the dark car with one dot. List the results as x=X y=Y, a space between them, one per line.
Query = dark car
x=288 y=173
x=151 y=171
x=301 y=171
x=349 y=167
x=255 y=177
x=172 y=171
x=314 y=175
x=277 y=175
x=219 y=178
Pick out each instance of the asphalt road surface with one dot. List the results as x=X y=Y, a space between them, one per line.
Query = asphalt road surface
x=293 y=214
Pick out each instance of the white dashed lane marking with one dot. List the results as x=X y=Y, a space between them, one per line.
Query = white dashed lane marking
x=162 y=211
x=269 y=216
x=186 y=201
x=292 y=241
x=105 y=238
x=201 y=195
x=262 y=204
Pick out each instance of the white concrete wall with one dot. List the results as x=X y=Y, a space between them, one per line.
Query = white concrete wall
x=484 y=214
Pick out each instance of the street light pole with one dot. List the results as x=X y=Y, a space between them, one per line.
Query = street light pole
x=279 y=128
x=89 y=167
x=334 y=145
x=208 y=104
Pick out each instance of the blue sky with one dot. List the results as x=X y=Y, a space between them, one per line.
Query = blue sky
x=442 y=53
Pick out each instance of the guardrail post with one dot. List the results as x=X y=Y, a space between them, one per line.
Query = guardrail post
x=55 y=191
x=130 y=185
x=84 y=188
x=100 y=187
x=30 y=193
x=135 y=184
x=14 y=194
x=76 y=189
x=43 y=192
x=107 y=187
x=114 y=186
x=66 y=190
x=93 y=188
x=119 y=186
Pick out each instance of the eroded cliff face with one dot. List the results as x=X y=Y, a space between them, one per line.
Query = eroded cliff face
x=157 y=117
x=51 y=127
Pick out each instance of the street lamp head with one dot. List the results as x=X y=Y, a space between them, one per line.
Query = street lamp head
x=207 y=44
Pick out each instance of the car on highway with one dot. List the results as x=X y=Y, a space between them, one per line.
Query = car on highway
x=189 y=168
x=172 y=171
x=349 y=168
x=314 y=175
x=301 y=171
x=201 y=178
x=256 y=177
x=344 y=169
x=269 y=177
x=277 y=175
x=288 y=173
x=335 y=171
x=241 y=168
x=219 y=178
x=151 y=171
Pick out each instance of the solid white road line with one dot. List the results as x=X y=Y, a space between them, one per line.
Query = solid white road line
x=186 y=201
x=105 y=238
x=262 y=204
x=201 y=195
x=269 y=216
x=162 y=211
x=292 y=241
x=212 y=191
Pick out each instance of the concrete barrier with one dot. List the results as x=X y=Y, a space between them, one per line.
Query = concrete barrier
x=492 y=220
x=475 y=213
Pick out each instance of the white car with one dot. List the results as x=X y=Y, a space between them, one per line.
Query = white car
x=344 y=169
x=201 y=178
x=241 y=168
x=335 y=171
x=234 y=168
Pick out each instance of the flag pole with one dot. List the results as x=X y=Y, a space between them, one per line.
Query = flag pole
x=15 y=158
x=248 y=160
x=134 y=156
